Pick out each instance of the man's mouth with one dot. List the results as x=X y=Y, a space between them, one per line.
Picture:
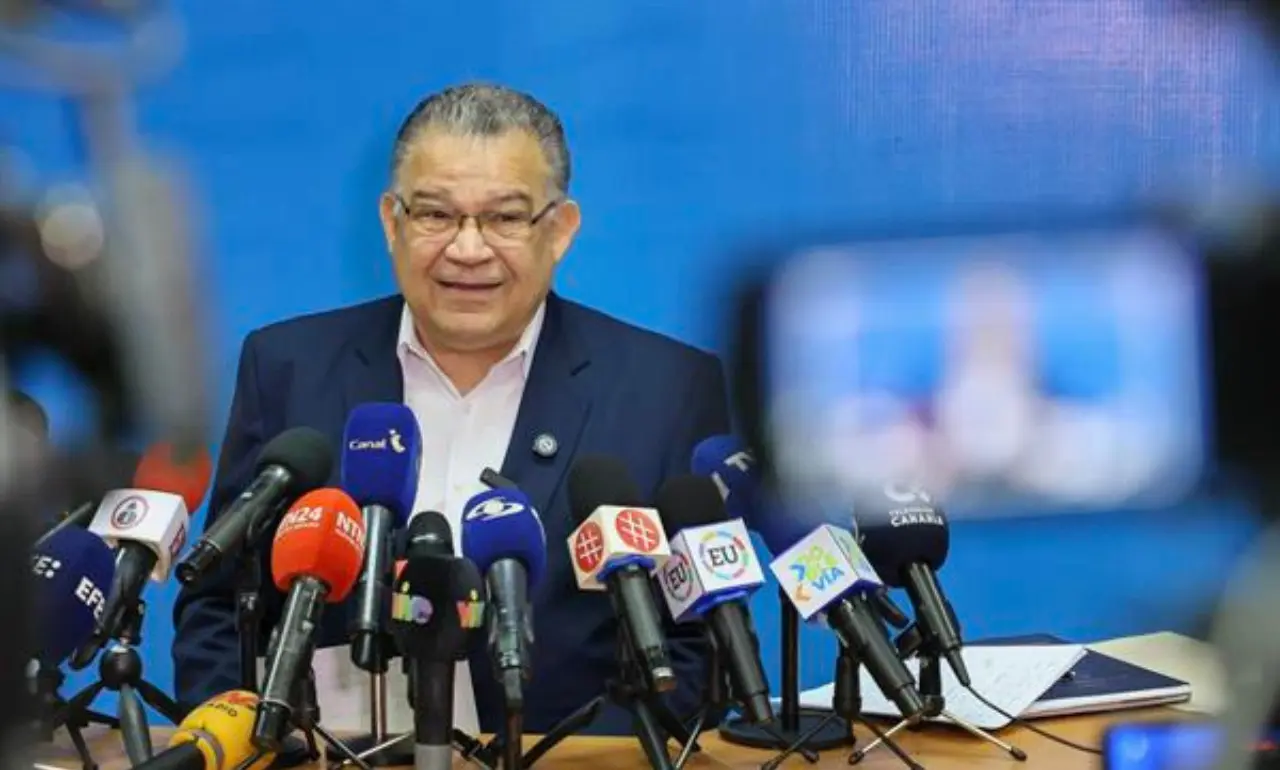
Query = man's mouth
x=476 y=286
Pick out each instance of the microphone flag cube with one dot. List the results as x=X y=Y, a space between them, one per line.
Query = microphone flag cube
x=157 y=520
x=709 y=564
x=612 y=537
x=822 y=567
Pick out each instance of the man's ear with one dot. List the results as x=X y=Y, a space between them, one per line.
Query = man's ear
x=387 y=206
x=568 y=218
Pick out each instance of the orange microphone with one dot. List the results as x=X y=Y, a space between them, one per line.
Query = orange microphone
x=316 y=557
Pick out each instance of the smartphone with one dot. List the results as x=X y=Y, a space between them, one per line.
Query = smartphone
x=1086 y=364
x=1175 y=746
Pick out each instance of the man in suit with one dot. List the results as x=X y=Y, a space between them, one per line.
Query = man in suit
x=499 y=371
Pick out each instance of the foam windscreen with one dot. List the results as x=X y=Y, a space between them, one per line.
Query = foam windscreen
x=381 y=455
x=161 y=470
x=899 y=526
x=689 y=501
x=221 y=727
x=712 y=457
x=502 y=524
x=597 y=480
x=72 y=573
x=438 y=603
x=305 y=452
x=428 y=533
x=322 y=536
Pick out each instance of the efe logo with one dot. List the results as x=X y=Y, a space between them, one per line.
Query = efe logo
x=91 y=596
x=392 y=441
x=45 y=566
x=493 y=508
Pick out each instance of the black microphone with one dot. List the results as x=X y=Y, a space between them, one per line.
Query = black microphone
x=711 y=573
x=437 y=605
x=292 y=463
x=605 y=501
x=904 y=535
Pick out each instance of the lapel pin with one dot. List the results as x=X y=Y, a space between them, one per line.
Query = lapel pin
x=545 y=446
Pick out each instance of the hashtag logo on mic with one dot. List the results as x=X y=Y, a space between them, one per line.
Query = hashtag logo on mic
x=588 y=547
x=637 y=531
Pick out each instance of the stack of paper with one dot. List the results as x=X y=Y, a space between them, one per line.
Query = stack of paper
x=1011 y=677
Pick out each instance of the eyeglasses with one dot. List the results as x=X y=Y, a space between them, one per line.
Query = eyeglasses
x=432 y=220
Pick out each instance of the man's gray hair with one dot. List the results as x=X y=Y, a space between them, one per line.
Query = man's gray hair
x=482 y=109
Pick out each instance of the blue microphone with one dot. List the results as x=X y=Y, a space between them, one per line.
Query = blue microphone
x=73 y=569
x=503 y=536
x=733 y=468
x=381 y=456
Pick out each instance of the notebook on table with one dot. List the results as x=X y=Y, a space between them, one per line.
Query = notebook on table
x=1098 y=682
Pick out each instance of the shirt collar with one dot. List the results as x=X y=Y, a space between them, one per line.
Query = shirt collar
x=407 y=341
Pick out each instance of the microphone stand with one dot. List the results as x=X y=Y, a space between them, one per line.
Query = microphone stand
x=120 y=670
x=914 y=641
x=650 y=717
x=53 y=711
x=814 y=731
x=397 y=751
x=717 y=699
x=305 y=717
x=846 y=708
x=248 y=570
x=377 y=748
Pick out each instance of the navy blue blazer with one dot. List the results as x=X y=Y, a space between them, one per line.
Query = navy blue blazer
x=597 y=384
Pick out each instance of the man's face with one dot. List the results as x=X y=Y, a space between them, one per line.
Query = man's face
x=476 y=286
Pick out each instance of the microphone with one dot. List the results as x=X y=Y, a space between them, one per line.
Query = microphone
x=381 y=456
x=437 y=606
x=616 y=545
x=292 y=463
x=315 y=557
x=711 y=573
x=905 y=534
x=733 y=468
x=148 y=525
x=503 y=536
x=214 y=736
x=826 y=573
x=72 y=570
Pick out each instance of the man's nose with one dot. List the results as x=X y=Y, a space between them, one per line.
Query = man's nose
x=469 y=244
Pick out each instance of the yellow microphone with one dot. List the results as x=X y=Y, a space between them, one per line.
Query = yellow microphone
x=214 y=736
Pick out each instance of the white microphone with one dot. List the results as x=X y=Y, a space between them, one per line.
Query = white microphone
x=709 y=565
x=148 y=529
x=825 y=573
x=613 y=536
x=712 y=572
x=615 y=548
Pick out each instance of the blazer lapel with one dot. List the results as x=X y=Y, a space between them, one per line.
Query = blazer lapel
x=553 y=410
x=376 y=375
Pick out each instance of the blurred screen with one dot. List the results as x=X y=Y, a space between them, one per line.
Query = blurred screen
x=1173 y=746
x=1060 y=369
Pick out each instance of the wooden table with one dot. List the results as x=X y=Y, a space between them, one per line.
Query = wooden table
x=936 y=747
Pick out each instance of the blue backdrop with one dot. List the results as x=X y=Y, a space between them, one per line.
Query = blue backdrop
x=691 y=124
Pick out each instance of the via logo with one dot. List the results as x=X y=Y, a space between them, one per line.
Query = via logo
x=817 y=569
x=494 y=508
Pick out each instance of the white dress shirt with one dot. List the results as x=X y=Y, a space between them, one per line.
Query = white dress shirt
x=461 y=435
